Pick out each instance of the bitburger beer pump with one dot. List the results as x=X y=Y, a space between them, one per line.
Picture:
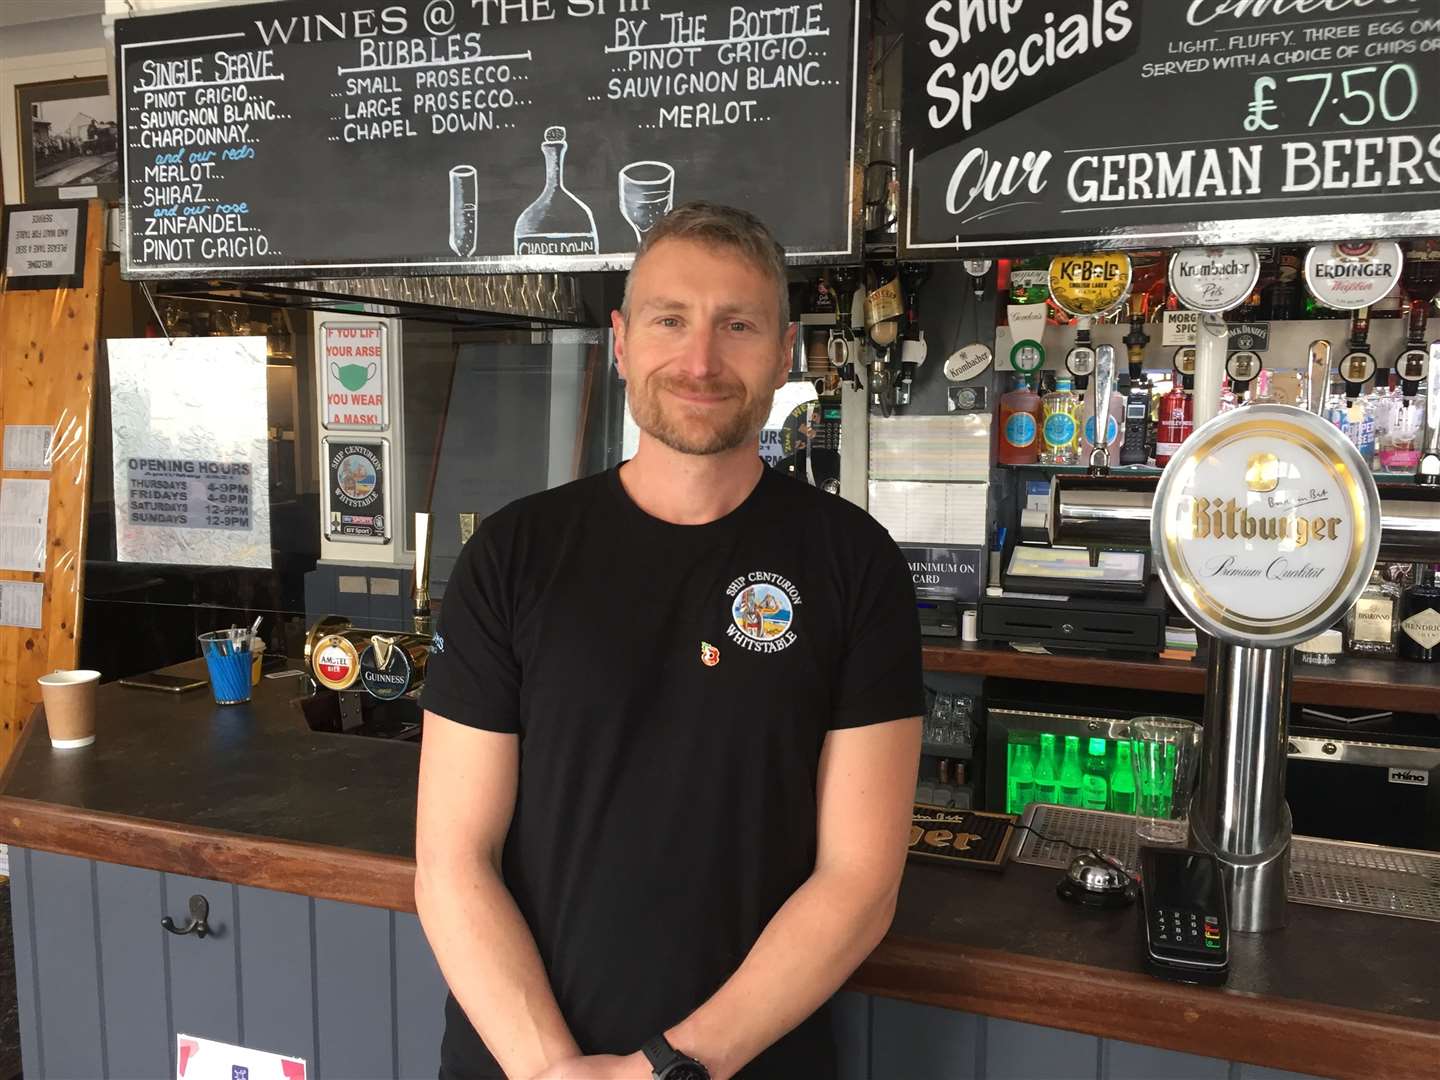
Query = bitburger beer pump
x=1264 y=528
x=368 y=669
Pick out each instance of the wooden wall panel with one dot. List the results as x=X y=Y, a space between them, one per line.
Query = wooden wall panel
x=48 y=339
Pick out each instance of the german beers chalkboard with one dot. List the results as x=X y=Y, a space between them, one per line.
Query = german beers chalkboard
x=1133 y=123
x=441 y=136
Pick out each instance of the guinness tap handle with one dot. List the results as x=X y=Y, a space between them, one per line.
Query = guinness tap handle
x=1428 y=471
x=1317 y=381
x=1104 y=388
x=421 y=594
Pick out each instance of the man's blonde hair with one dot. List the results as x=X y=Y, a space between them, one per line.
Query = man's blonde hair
x=719 y=226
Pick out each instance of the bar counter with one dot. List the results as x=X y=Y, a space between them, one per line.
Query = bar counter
x=250 y=796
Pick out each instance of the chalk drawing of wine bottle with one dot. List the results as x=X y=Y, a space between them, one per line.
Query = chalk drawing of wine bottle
x=647 y=191
x=464 y=190
x=558 y=222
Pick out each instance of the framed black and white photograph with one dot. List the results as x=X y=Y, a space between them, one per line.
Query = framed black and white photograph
x=69 y=142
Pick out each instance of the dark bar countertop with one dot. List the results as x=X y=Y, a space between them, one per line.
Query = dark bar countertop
x=248 y=794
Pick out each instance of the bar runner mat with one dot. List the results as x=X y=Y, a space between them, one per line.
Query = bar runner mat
x=961 y=837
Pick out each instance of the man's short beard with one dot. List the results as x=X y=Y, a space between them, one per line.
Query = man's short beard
x=735 y=430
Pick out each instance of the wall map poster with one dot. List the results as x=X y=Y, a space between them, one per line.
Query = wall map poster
x=437 y=136
x=1134 y=123
x=358 y=498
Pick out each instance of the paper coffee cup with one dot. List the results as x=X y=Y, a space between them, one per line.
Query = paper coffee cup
x=70 y=707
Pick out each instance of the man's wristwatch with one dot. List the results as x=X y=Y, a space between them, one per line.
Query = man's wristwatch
x=667 y=1063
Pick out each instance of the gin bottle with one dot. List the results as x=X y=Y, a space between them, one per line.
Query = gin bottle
x=556 y=223
x=1420 y=619
x=1060 y=431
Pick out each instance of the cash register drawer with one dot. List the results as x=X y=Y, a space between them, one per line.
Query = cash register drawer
x=1074 y=623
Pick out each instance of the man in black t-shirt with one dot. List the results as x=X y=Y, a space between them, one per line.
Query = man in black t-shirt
x=671 y=730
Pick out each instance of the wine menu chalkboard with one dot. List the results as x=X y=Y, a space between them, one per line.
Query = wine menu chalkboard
x=1145 y=123
x=443 y=136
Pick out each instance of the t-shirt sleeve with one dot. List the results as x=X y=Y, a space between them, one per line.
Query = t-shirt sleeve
x=473 y=676
x=881 y=677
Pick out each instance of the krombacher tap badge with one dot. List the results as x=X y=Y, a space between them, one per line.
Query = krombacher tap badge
x=1084 y=285
x=334 y=662
x=1213 y=279
x=1352 y=275
x=1266 y=526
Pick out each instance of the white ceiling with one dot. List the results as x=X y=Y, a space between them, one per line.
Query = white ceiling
x=15 y=12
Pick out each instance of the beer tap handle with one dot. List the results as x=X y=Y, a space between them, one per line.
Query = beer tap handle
x=421 y=594
x=1428 y=471
x=1317 y=382
x=1104 y=388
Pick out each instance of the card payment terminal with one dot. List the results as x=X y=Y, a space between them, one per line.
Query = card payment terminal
x=1186 y=932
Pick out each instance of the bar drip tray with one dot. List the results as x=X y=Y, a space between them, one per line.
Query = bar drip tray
x=1326 y=873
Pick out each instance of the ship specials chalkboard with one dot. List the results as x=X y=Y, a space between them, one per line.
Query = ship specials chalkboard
x=315 y=137
x=1141 y=123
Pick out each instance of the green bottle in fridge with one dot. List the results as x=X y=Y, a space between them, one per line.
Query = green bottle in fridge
x=1122 y=781
x=1095 y=785
x=1071 y=775
x=1047 y=778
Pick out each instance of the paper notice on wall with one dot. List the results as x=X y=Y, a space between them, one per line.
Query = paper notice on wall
x=27 y=447
x=206 y=1059
x=354 y=361
x=24 y=513
x=21 y=603
x=930 y=513
x=191 y=456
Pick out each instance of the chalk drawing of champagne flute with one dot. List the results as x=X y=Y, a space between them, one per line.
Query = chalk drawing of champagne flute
x=464 y=190
x=647 y=191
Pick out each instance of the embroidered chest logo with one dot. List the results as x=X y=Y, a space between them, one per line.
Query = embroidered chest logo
x=762 y=611
x=709 y=655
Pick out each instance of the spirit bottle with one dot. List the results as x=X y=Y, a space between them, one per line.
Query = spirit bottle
x=1071 y=775
x=1176 y=421
x=1095 y=787
x=1420 y=618
x=1060 y=430
x=1122 y=781
x=557 y=223
x=1022 y=777
x=1370 y=627
x=1030 y=281
x=1047 y=779
x=1019 y=425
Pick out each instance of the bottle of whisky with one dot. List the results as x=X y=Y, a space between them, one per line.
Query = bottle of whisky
x=556 y=223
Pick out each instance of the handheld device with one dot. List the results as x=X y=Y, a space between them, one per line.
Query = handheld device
x=1133 y=449
x=167 y=684
x=1184 y=927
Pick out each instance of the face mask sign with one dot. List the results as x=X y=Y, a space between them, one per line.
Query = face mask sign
x=355 y=354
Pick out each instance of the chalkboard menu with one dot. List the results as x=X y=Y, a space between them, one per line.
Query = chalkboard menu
x=443 y=136
x=1134 y=123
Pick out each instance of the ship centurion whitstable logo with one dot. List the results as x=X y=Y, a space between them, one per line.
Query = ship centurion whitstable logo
x=762 y=611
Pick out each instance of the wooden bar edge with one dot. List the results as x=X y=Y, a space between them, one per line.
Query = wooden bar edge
x=329 y=873
x=1276 y=1032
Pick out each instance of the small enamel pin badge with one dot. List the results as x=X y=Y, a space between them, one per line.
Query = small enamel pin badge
x=709 y=654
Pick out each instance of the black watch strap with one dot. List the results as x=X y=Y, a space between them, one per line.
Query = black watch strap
x=662 y=1057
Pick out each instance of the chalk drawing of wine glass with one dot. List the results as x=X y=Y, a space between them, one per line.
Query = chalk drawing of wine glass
x=647 y=191
x=464 y=190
